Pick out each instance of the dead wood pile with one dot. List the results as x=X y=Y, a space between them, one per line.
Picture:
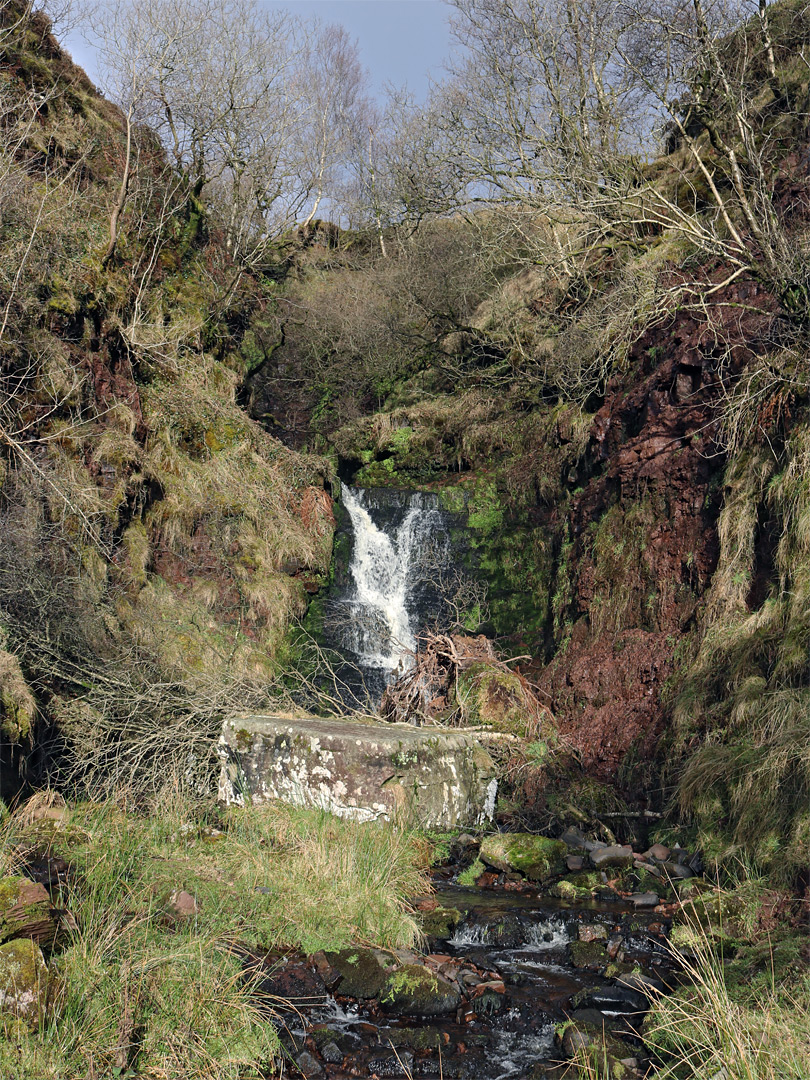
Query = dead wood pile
x=427 y=692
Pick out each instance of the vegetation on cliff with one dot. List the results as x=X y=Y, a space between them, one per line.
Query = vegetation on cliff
x=595 y=352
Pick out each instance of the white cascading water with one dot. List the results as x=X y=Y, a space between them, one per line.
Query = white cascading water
x=383 y=568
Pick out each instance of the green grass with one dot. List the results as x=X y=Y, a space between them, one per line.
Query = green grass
x=172 y=991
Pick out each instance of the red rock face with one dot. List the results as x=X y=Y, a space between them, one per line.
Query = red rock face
x=657 y=469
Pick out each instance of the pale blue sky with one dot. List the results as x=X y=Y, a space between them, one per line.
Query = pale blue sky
x=401 y=41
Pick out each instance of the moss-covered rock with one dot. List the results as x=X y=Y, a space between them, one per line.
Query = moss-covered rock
x=23 y=981
x=594 y=1052
x=441 y=922
x=589 y=954
x=536 y=857
x=578 y=887
x=416 y=991
x=17 y=706
x=496 y=698
x=25 y=911
x=362 y=974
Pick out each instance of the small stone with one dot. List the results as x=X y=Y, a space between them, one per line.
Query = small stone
x=644 y=900
x=23 y=981
x=593 y=932
x=575 y=862
x=658 y=851
x=614 y=855
x=678 y=870
x=332 y=1054
x=263 y=890
x=183 y=904
x=614 y=945
x=309 y=1065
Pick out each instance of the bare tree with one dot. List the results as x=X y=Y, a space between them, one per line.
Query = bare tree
x=253 y=107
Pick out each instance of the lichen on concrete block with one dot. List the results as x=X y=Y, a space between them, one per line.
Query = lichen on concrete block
x=358 y=770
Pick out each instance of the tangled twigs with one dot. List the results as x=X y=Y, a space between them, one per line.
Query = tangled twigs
x=427 y=692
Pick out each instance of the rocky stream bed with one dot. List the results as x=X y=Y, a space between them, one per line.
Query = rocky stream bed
x=513 y=981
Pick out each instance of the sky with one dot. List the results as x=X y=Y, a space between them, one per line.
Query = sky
x=401 y=41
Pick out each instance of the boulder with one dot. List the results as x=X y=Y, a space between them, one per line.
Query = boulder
x=414 y=990
x=536 y=857
x=440 y=922
x=26 y=911
x=23 y=981
x=362 y=974
x=359 y=770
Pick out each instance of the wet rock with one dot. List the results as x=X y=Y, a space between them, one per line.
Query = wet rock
x=536 y=857
x=393 y=1064
x=592 y=932
x=644 y=900
x=309 y=1065
x=588 y=954
x=25 y=911
x=361 y=973
x=612 y=855
x=647 y=985
x=488 y=997
x=415 y=990
x=423 y=1037
x=23 y=981
x=331 y=1053
x=575 y=862
x=614 y=999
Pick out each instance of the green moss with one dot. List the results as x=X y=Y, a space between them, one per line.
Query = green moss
x=536 y=857
x=471 y=873
x=362 y=974
x=441 y=922
x=23 y=981
x=588 y=954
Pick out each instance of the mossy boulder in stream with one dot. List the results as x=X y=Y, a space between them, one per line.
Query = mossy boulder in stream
x=362 y=974
x=415 y=990
x=23 y=981
x=578 y=888
x=536 y=857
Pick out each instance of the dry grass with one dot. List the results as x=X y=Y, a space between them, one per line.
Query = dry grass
x=705 y=1031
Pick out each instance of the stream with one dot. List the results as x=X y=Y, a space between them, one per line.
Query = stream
x=517 y=946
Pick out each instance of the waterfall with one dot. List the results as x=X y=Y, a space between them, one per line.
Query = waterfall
x=393 y=555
